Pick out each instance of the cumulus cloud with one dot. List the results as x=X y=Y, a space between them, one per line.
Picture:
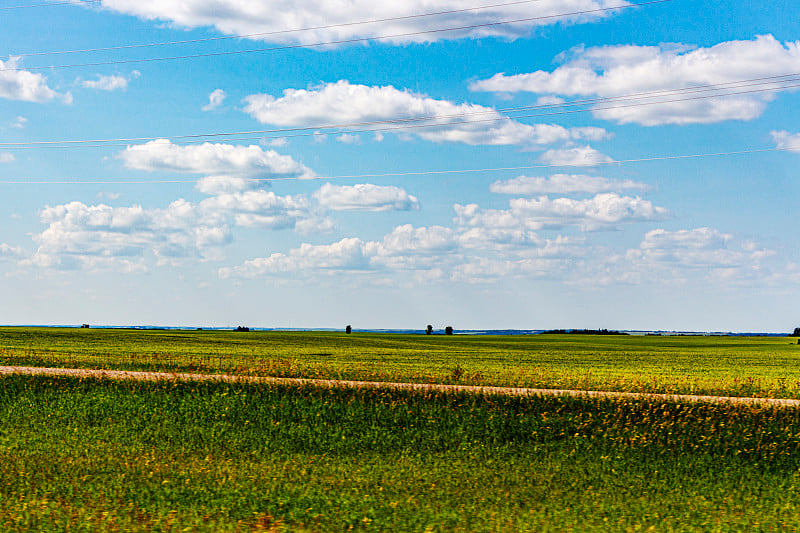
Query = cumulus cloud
x=423 y=254
x=212 y=159
x=214 y=185
x=405 y=248
x=365 y=197
x=10 y=252
x=414 y=249
x=260 y=208
x=347 y=138
x=484 y=245
x=100 y=236
x=578 y=156
x=18 y=84
x=19 y=122
x=242 y=17
x=603 y=211
x=705 y=251
x=6 y=157
x=345 y=103
x=786 y=140
x=621 y=70
x=129 y=238
x=700 y=255
x=347 y=254
x=563 y=184
x=114 y=82
x=215 y=99
x=488 y=238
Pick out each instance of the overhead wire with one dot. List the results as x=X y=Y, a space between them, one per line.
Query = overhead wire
x=772 y=80
x=790 y=148
x=275 y=32
x=777 y=83
x=333 y=42
x=49 y=4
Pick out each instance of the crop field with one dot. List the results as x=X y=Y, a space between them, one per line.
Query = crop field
x=102 y=455
x=91 y=455
x=755 y=366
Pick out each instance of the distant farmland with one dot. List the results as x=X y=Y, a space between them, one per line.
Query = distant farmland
x=727 y=366
x=101 y=455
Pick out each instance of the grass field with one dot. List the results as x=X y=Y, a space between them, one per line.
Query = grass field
x=99 y=455
x=756 y=366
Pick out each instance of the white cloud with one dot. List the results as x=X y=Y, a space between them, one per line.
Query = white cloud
x=10 y=252
x=563 y=184
x=261 y=208
x=484 y=245
x=114 y=82
x=786 y=140
x=407 y=239
x=215 y=99
x=487 y=238
x=705 y=251
x=405 y=248
x=365 y=197
x=214 y=185
x=410 y=248
x=100 y=236
x=423 y=254
x=695 y=239
x=6 y=157
x=603 y=211
x=24 y=85
x=346 y=138
x=347 y=254
x=276 y=143
x=129 y=239
x=108 y=195
x=19 y=122
x=700 y=255
x=621 y=70
x=579 y=156
x=345 y=103
x=223 y=160
x=243 y=17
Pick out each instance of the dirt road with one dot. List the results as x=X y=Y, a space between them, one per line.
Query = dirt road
x=503 y=391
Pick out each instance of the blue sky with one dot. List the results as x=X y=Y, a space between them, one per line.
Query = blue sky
x=522 y=175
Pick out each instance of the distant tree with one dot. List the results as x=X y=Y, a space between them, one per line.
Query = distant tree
x=448 y=330
x=796 y=332
x=348 y=329
x=242 y=328
x=429 y=330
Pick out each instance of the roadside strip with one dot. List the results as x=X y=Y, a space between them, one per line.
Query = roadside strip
x=473 y=389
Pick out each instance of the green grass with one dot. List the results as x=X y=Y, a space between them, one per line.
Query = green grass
x=92 y=455
x=758 y=366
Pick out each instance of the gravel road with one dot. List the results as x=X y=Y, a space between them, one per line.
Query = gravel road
x=503 y=391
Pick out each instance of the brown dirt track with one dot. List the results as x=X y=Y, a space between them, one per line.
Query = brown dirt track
x=503 y=391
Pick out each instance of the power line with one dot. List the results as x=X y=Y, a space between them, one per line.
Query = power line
x=435 y=121
x=48 y=4
x=335 y=42
x=276 y=32
x=795 y=148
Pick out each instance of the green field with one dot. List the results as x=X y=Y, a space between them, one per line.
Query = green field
x=98 y=455
x=755 y=366
x=89 y=455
